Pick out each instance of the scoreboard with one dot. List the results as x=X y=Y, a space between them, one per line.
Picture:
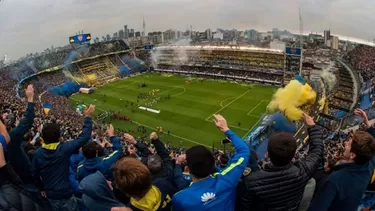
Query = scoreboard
x=80 y=39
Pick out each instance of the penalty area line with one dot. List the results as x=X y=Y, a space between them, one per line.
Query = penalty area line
x=228 y=104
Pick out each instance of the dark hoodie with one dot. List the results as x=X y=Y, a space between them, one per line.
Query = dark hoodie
x=344 y=188
x=97 y=194
x=102 y=164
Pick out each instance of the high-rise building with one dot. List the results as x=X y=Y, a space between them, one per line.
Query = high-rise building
x=126 y=32
x=137 y=34
x=335 y=42
x=327 y=36
x=252 y=35
x=121 y=34
x=108 y=37
x=144 y=27
x=131 y=34
x=115 y=35
x=209 y=34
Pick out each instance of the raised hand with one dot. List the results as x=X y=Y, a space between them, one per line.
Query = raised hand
x=90 y=110
x=362 y=113
x=308 y=119
x=29 y=92
x=110 y=131
x=220 y=122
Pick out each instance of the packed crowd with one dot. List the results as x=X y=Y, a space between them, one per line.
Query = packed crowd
x=249 y=59
x=62 y=165
x=363 y=59
x=65 y=161
x=228 y=72
x=56 y=162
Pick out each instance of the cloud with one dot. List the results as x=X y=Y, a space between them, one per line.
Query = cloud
x=30 y=26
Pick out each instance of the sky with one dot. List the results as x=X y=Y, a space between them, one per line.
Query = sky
x=28 y=26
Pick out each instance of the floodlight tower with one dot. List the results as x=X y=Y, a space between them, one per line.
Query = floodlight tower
x=300 y=40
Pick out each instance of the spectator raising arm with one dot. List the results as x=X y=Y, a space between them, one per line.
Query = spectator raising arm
x=361 y=113
x=162 y=152
x=17 y=156
x=26 y=123
x=117 y=148
x=85 y=135
x=232 y=174
x=315 y=154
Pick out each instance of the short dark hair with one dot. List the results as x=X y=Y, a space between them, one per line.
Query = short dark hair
x=281 y=148
x=92 y=150
x=132 y=177
x=154 y=164
x=363 y=146
x=51 y=133
x=200 y=161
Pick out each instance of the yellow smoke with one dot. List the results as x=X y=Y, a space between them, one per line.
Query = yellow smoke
x=289 y=99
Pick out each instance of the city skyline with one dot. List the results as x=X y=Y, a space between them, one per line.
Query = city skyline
x=27 y=27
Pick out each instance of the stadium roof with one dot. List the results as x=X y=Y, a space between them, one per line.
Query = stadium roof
x=210 y=47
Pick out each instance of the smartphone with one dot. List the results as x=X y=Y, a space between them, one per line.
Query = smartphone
x=225 y=141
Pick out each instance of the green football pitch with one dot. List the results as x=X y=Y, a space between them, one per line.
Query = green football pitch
x=186 y=106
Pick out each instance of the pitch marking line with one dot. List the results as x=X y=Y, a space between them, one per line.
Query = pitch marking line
x=176 y=136
x=221 y=103
x=260 y=102
x=228 y=104
x=178 y=94
x=152 y=128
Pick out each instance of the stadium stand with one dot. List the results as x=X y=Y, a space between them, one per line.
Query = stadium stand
x=40 y=154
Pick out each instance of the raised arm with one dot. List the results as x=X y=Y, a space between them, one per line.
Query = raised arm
x=162 y=152
x=232 y=174
x=84 y=136
x=315 y=154
x=117 y=149
x=16 y=135
x=145 y=152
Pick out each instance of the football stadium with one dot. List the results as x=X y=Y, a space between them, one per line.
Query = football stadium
x=181 y=106
x=110 y=126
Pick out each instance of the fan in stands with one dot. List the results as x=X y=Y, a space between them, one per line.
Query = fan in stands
x=65 y=160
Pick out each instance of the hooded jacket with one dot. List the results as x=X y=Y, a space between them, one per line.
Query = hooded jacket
x=97 y=194
x=102 y=164
x=51 y=164
x=158 y=198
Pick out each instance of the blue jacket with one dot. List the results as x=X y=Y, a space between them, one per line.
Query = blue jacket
x=344 y=188
x=102 y=164
x=181 y=179
x=217 y=192
x=51 y=164
x=17 y=156
x=75 y=160
x=97 y=194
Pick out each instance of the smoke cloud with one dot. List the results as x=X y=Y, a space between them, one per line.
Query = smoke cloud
x=288 y=100
x=329 y=78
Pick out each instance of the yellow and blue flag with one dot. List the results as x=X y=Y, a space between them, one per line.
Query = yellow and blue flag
x=47 y=108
